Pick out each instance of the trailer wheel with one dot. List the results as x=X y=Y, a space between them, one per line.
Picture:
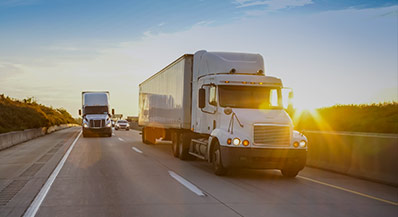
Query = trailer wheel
x=175 y=143
x=289 y=172
x=218 y=168
x=183 y=146
x=143 y=136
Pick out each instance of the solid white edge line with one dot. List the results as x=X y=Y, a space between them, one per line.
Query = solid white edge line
x=35 y=205
x=187 y=184
x=137 y=150
x=348 y=190
x=120 y=139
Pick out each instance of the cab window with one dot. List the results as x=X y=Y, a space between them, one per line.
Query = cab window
x=212 y=96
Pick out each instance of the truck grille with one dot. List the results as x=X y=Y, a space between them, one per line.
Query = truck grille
x=97 y=123
x=272 y=135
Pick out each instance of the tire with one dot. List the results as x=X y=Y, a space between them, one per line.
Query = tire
x=183 y=146
x=175 y=143
x=289 y=173
x=143 y=136
x=218 y=167
x=84 y=133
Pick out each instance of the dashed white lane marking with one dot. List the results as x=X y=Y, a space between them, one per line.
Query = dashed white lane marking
x=348 y=190
x=35 y=205
x=187 y=184
x=121 y=139
x=137 y=150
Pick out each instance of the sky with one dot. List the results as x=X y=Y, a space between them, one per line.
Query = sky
x=329 y=52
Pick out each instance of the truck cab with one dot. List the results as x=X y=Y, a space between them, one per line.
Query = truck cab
x=96 y=118
x=240 y=113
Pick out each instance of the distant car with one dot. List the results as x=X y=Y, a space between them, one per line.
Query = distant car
x=122 y=124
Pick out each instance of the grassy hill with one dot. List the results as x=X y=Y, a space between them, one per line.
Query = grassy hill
x=27 y=114
x=375 y=118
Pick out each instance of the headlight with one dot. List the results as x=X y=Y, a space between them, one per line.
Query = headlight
x=229 y=141
x=245 y=142
x=128 y=125
x=109 y=124
x=296 y=144
x=236 y=141
x=85 y=125
x=303 y=144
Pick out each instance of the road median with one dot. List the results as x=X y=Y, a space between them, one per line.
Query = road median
x=365 y=155
x=16 y=137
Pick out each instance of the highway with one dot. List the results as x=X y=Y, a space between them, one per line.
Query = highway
x=121 y=176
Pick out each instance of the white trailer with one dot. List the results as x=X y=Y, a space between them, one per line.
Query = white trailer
x=95 y=116
x=221 y=107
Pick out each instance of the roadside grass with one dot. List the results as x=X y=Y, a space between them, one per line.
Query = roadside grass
x=374 y=118
x=26 y=114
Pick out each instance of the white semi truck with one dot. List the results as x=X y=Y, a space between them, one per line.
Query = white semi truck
x=221 y=107
x=96 y=119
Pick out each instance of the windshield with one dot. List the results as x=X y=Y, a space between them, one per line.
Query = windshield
x=250 y=97
x=88 y=110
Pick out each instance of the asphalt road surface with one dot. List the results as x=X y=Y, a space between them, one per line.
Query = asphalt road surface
x=121 y=176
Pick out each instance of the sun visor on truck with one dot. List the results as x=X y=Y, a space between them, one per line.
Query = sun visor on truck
x=223 y=62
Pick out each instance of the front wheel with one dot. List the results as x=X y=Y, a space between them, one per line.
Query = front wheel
x=218 y=167
x=84 y=133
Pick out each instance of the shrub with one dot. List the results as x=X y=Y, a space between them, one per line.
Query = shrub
x=27 y=114
x=376 y=118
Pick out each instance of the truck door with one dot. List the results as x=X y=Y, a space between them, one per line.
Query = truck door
x=206 y=118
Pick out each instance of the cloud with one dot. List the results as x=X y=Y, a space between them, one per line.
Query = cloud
x=273 y=5
x=8 y=69
x=16 y=3
x=63 y=48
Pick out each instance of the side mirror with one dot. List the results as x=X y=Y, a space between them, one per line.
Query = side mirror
x=113 y=111
x=227 y=111
x=202 y=98
x=80 y=112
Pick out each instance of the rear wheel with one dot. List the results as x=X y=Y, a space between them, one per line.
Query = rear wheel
x=175 y=143
x=144 y=140
x=183 y=146
x=289 y=173
x=218 y=167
